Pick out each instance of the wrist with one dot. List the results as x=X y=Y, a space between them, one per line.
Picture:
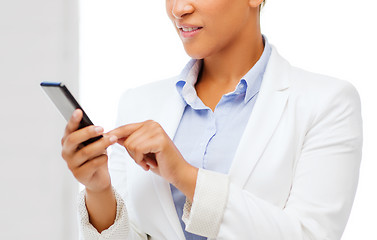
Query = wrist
x=101 y=207
x=99 y=194
x=185 y=180
x=101 y=186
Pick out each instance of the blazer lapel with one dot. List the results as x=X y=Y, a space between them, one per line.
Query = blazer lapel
x=169 y=118
x=263 y=120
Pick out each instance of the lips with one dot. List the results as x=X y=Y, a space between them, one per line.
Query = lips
x=188 y=31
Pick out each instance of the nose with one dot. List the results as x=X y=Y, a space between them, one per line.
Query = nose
x=181 y=8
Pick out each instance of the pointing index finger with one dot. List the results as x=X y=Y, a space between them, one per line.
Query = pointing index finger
x=125 y=131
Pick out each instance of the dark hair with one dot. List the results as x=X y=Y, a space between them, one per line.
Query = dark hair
x=262 y=5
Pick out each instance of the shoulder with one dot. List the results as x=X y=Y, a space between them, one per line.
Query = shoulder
x=320 y=88
x=323 y=98
x=311 y=94
x=308 y=86
x=313 y=85
x=319 y=83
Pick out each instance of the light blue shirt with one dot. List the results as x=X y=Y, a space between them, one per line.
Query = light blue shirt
x=208 y=139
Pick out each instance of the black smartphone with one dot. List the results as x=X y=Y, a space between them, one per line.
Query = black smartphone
x=66 y=103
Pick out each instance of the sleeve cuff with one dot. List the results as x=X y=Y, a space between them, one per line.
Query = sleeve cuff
x=119 y=230
x=203 y=217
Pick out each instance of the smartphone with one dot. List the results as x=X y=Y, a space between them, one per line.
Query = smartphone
x=66 y=104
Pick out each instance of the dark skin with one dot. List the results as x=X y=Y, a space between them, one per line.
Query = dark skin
x=229 y=41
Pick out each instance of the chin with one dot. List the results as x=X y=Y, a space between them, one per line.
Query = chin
x=196 y=52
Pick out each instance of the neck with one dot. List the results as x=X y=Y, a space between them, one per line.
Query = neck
x=231 y=64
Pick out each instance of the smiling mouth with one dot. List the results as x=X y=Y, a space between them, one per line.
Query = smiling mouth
x=189 y=29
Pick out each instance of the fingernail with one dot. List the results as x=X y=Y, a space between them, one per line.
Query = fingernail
x=75 y=114
x=113 y=139
x=98 y=129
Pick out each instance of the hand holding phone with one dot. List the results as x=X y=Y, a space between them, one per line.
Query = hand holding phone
x=86 y=159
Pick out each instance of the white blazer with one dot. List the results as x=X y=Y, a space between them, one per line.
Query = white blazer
x=294 y=174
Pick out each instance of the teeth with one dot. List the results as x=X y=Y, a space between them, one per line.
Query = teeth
x=189 y=29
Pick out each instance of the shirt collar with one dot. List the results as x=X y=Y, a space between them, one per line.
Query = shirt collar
x=189 y=75
x=249 y=84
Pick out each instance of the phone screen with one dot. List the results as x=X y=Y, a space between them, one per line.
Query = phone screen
x=66 y=104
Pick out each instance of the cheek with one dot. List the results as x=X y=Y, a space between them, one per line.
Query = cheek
x=169 y=13
x=223 y=16
x=228 y=20
x=168 y=8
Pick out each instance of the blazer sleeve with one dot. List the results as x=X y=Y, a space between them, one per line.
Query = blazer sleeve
x=322 y=190
x=122 y=228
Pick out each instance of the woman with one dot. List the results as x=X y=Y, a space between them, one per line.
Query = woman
x=241 y=145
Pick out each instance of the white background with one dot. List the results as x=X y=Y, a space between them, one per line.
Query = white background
x=38 y=42
x=129 y=43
